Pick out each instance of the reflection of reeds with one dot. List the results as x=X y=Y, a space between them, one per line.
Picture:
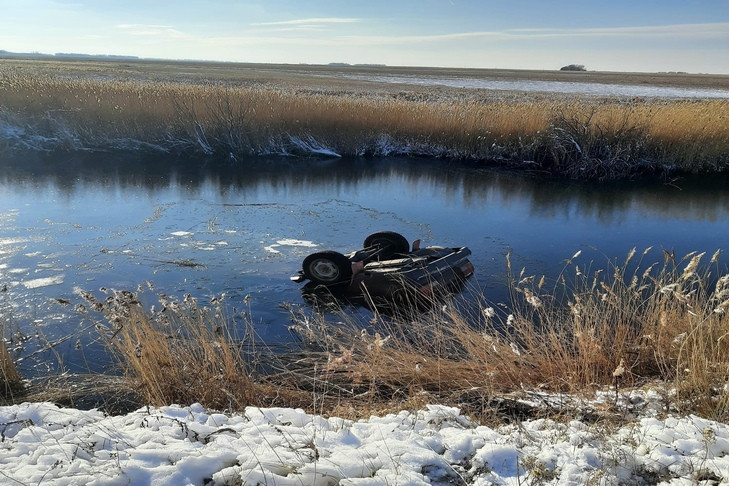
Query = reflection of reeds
x=582 y=138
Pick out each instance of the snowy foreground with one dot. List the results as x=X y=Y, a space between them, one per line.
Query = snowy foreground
x=43 y=444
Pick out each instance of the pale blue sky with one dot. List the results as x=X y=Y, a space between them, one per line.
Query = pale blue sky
x=607 y=35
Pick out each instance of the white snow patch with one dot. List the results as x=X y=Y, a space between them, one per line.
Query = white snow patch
x=293 y=242
x=289 y=242
x=43 y=282
x=45 y=444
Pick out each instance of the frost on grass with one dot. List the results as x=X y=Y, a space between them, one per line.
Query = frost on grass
x=42 y=443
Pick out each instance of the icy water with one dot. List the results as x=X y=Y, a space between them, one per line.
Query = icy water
x=238 y=230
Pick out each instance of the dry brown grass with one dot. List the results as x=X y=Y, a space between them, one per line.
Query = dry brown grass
x=171 y=365
x=219 y=117
x=10 y=380
x=623 y=325
x=180 y=355
x=585 y=137
x=184 y=354
x=589 y=330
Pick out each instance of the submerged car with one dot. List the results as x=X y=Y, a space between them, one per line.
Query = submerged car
x=387 y=268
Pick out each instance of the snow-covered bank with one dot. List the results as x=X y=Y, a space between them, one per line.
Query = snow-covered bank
x=43 y=444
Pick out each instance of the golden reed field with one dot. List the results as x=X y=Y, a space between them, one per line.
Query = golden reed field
x=219 y=109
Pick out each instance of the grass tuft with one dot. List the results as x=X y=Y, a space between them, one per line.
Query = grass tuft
x=177 y=356
x=187 y=354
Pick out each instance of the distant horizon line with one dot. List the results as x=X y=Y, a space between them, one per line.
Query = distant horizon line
x=116 y=57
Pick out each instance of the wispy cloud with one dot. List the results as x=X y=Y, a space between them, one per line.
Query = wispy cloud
x=149 y=30
x=716 y=30
x=692 y=30
x=271 y=37
x=309 y=22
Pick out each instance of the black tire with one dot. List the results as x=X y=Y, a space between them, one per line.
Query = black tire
x=389 y=243
x=327 y=268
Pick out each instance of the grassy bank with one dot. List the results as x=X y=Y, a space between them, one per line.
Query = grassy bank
x=579 y=137
x=625 y=325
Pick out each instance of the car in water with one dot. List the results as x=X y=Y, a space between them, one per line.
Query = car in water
x=387 y=269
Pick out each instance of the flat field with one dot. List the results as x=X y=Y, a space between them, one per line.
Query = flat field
x=323 y=77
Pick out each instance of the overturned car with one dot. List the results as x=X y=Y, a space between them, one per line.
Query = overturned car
x=387 y=269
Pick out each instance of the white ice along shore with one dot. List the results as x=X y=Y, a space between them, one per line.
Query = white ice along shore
x=565 y=87
x=42 y=444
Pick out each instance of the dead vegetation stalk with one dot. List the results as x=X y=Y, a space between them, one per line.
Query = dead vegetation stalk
x=10 y=380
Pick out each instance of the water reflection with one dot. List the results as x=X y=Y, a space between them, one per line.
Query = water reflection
x=689 y=198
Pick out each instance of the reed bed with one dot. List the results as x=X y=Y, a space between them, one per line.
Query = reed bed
x=622 y=325
x=609 y=329
x=184 y=353
x=586 y=137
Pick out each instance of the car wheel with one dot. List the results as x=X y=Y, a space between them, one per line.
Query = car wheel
x=389 y=243
x=327 y=267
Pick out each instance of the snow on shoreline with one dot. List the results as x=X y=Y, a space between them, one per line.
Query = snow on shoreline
x=44 y=444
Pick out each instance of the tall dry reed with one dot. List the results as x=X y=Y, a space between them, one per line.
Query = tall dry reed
x=619 y=326
x=181 y=354
x=10 y=380
x=579 y=137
